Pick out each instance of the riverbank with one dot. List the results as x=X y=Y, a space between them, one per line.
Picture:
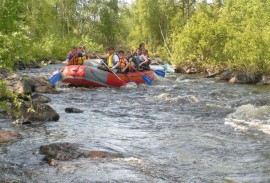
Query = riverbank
x=225 y=74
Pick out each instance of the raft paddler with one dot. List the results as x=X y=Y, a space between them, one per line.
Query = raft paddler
x=73 y=57
x=111 y=60
x=123 y=61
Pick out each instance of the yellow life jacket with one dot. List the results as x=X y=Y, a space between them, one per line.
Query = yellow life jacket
x=81 y=59
x=110 y=60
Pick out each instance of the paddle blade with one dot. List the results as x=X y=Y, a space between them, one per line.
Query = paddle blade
x=160 y=73
x=55 y=77
x=147 y=79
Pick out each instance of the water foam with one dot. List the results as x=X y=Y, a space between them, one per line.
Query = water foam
x=249 y=117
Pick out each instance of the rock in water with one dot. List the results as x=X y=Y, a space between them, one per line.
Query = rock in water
x=69 y=151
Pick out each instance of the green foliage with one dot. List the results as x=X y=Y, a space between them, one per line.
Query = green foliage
x=235 y=35
x=9 y=101
x=248 y=29
x=229 y=33
x=14 y=46
x=201 y=39
x=11 y=15
x=14 y=41
x=150 y=22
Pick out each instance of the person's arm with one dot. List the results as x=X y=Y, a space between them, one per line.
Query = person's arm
x=106 y=55
x=67 y=60
x=145 y=60
x=115 y=66
x=81 y=54
x=127 y=65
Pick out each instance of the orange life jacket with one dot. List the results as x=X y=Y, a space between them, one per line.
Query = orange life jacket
x=75 y=60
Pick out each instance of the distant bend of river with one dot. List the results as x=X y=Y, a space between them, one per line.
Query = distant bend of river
x=182 y=128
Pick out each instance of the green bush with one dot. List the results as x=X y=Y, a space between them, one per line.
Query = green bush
x=235 y=35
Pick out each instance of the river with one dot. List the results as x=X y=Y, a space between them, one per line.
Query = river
x=182 y=128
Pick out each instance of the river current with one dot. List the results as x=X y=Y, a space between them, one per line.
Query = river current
x=182 y=128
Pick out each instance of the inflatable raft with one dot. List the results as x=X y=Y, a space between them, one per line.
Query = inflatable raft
x=91 y=76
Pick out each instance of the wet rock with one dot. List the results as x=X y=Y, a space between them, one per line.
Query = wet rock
x=25 y=85
x=227 y=75
x=53 y=162
x=190 y=69
x=61 y=151
x=40 y=112
x=27 y=122
x=34 y=112
x=4 y=73
x=212 y=71
x=33 y=64
x=18 y=84
x=41 y=85
x=100 y=154
x=177 y=69
x=69 y=151
x=72 y=110
x=32 y=109
x=212 y=74
x=39 y=98
x=265 y=80
x=19 y=65
x=245 y=79
x=8 y=135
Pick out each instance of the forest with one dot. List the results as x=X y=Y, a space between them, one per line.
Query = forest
x=232 y=34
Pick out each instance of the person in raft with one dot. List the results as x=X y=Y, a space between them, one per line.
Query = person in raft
x=112 y=60
x=146 y=60
x=138 y=60
x=87 y=55
x=123 y=61
x=73 y=57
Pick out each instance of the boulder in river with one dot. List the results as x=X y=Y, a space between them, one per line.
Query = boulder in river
x=265 y=80
x=72 y=110
x=246 y=79
x=39 y=98
x=69 y=151
x=27 y=85
x=41 y=112
x=41 y=85
x=8 y=135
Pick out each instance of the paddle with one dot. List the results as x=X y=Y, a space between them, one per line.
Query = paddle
x=158 y=72
x=146 y=79
x=111 y=70
x=56 y=76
